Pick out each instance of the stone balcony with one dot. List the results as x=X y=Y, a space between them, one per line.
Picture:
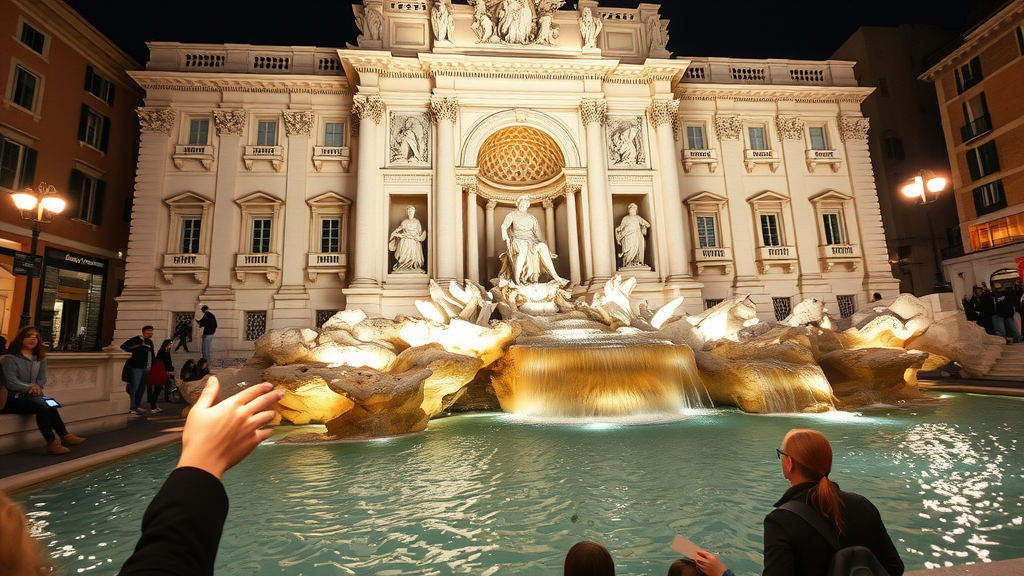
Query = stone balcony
x=195 y=265
x=708 y=157
x=267 y=263
x=830 y=157
x=788 y=72
x=272 y=154
x=715 y=257
x=846 y=254
x=326 y=263
x=201 y=154
x=339 y=154
x=752 y=158
x=784 y=256
x=244 y=58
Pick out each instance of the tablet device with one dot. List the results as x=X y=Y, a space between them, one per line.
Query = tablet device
x=51 y=402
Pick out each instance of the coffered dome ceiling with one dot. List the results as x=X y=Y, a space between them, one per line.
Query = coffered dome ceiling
x=520 y=155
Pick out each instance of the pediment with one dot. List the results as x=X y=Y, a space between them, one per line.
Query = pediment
x=768 y=196
x=188 y=199
x=259 y=198
x=830 y=196
x=706 y=198
x=329 y=199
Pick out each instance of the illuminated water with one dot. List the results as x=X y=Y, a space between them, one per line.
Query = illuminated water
x=485 y=494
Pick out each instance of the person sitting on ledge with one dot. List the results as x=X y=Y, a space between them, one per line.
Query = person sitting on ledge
x=182 y=526
x=588 y=559
x=792 y=545
x=24 y=376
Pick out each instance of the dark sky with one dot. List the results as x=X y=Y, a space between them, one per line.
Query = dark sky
x=792 y=29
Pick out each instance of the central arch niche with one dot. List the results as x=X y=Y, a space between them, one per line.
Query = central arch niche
x=519 y=156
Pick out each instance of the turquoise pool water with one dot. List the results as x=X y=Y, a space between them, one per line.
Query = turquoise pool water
x=487 y=494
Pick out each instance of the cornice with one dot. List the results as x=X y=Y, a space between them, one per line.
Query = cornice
x=1006 y=18
x=191 y=82
x=773 y=93
x=529 y=68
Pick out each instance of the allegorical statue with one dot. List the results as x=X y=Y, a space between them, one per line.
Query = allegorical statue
x=526 y=256
x=482 y=24
x=406 y=243
x=442 y=20
x=515 y=21
x=590 y=27
x=630 y=238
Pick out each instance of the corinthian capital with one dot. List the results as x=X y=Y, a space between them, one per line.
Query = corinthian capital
x=594 y=111
x=663 y=112
x=230 y=121
x=298 y=122
x=853 y=128
x=789 y=127
x=443 y=108
x=160 y=120
x=368 y=108
x=728 y=127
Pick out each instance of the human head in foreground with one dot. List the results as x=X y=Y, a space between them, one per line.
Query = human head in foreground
x=20 y=553
x=589 y=559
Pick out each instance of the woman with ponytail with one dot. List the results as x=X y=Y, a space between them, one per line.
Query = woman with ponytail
x=794 y=547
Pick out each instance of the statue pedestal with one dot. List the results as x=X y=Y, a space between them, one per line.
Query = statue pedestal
x=401 y=290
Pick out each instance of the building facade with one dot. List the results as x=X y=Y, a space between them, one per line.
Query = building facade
x=271 y=180
x=68 y=119
x=906 y=136
x=980 y=90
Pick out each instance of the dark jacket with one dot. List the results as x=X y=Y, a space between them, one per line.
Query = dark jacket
x=792 y=547
x=182 y=526
x=184 y=332
x=141 y=350
x=164 y=355
x=984 y=305
x=1006 y=301
x=209 y=323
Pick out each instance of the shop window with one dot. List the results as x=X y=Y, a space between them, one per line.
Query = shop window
x=968 y=75
x=93 y=128
x=17 y=165
x=328 y=236
x=255 y=325
x=783 y=308
x=71 y=300
x=99 y=86
x=997 y=232
x=983 y=160
x=86 y=192
x=33 y=39
x=989 y=198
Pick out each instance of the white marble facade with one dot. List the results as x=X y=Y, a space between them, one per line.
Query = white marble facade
x=270 y=178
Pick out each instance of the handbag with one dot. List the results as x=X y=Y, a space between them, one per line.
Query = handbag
x=157 y=374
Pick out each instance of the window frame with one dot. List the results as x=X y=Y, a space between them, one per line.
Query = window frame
x=100 y=138
x=12 y=84
x=260 y=206
x=342 y=134
x=188 y=206
x=188 y=135
x=968 y=75
x=828 y=231
x=22 y=23
x=716 y=239
x=831 y=203
x=825 y=141
x=25 y=164
x=992 y=189
x=703 y=135
x=764 y=134
x=260 y=134
x=105 y=88
x=87 y=196
x=764 y=216
x=193 y=237
x=982 y=160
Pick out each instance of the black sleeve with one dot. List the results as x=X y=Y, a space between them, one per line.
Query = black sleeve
x=885 y=550
x=779 y=558
x=128 y=344
x=182 y=526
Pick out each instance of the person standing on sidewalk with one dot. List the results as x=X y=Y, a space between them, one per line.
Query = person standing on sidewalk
x=209 y=324
x=141 y=349
x=1005 y=324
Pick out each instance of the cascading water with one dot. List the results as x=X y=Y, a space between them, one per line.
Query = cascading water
x=601 y=375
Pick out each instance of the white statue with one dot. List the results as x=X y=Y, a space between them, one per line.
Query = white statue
x=369 y=22
x=657 y=33
x=482 y=23
x=405 y=242
x=630 y=237
x=590 y=27
x=526 y=256
x=442 y=20
x=515 y=21
x=546 y=33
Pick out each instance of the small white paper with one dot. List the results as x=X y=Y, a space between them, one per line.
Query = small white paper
x=685 y=547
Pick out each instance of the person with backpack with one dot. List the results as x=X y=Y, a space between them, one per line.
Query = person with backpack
x=816 y=528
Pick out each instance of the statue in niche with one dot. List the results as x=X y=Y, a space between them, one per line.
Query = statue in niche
x=630 y=238
x=370 y=23
x=406 y=243
x=408 y=140
x=590 y=27
x=442 y=20
x=526 y=256
x=482 y=23
x=625 y=143
x=515 y=21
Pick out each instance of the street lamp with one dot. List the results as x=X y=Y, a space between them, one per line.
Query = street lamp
x=918 y=187
x=37 y=207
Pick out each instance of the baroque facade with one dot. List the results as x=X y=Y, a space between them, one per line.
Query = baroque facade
x=270 y=178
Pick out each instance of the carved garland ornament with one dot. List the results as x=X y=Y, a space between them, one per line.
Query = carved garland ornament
x=443 y=108
x=789 y=127
x=230 y=121
x=594 y=111
x=299 y=123
x=728 y=127
x=663 y=112
x=853 y=128
x=156 y=120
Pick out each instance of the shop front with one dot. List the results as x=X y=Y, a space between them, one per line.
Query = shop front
x=70 y=314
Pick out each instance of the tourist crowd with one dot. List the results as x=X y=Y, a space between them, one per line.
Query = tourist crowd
x=997 y=310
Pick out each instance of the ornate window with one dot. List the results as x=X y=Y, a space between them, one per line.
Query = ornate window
x=696 y=150
x=332 y=146
x=773 y=247
x=188 y=237
x=259 y=246
x=819 y=147
x=328 y=240
x=197 y=144
x=266 y=146
x=759 y=150
x=706 y=219
x=835 y=245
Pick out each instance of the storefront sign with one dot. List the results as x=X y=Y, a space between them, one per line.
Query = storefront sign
x=26 y=264
x=73 y=261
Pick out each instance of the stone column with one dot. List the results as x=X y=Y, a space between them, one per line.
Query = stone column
x=443 y=112
x=139 y=301
x=230 y=126
x=365 y=267
x=594 y=113
x=549 y=222
x=473 y=236
x=574 y=236
x=489 y=238
x=730 y=135
x=662 y=115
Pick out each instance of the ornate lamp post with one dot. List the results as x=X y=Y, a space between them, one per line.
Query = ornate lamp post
x=925 y=187
x=38 y=207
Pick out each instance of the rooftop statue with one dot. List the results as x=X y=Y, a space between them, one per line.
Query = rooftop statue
x=518 y=22
x=590 y=27
x=527 y=256
x=442 y=20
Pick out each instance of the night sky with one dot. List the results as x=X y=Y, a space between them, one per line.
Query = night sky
x=791 y=29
